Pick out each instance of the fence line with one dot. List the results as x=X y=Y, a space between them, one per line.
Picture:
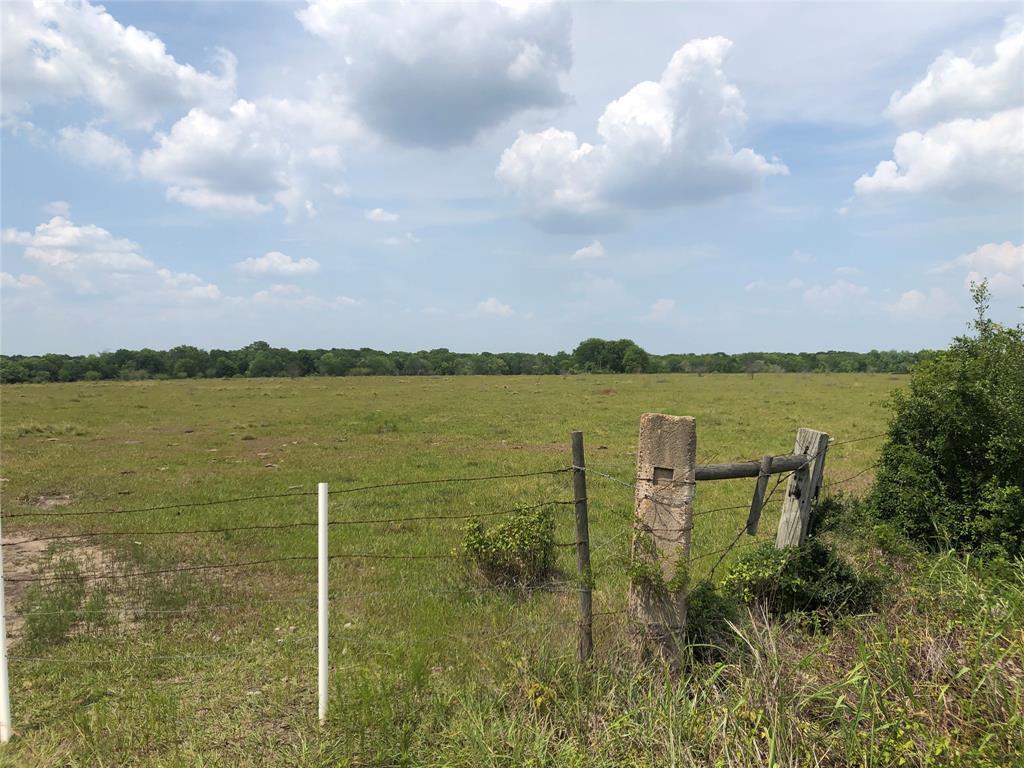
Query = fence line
x=554 y=587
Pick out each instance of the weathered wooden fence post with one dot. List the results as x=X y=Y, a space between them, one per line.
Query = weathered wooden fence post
x=665 y=465
x=764 y=471
x=804 y=486
x=579 y=485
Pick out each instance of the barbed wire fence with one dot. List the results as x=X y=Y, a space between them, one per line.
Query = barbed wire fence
x=90 y=581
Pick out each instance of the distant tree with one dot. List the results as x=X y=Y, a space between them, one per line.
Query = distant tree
x=13 y=373
x=635 y=360
x=264 y=363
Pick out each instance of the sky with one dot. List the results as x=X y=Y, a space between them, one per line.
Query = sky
x=508 y=177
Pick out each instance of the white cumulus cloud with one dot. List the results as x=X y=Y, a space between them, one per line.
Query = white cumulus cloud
x=380 y=216
x=918 y=304
x=969 y=117
x=965 y=86
x=957 y=158
x=662 y=310
x=662 y=143
x=58 y=51
x=277 y=263
x=493 y=306
x=437 y=74
x=590 y=252
x=93 y=148
x=1002 y=264
x=93 y=261
x=251 y=156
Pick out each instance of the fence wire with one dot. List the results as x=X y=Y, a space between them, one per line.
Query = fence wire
x=252 y=602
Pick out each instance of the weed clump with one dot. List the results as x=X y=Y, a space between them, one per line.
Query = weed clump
x=809 y=578
x=51 y=612
x=517 y=552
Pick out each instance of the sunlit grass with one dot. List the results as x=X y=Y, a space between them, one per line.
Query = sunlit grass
x=429 y=669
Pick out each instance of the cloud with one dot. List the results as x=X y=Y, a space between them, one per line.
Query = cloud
x=277 y=292
x=590 y=252
x=663 y=143
x=255 y=154
x=437 y=75
x=1002 y=264
x=957 y=158
x=958 y=86
x=288 y=295
x=971 y=120
x=917 y=304
x=55 y=52
x=185 y=285
x=380 y=216
x=277 y=263
x=208 y=200
x=662 y=310
x=92 y=261
x=20 y=282
x=394 y=241
x=835 y=296
x=494 y=307
x=848 y=271
x=93 y=148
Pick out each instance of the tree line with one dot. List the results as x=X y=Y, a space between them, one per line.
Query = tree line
x=591 y=356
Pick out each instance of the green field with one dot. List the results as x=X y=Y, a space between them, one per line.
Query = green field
x=218 y=668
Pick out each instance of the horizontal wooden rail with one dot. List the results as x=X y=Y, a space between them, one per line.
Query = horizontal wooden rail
x=779 y=464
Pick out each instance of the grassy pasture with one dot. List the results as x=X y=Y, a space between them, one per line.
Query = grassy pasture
x=218 y=668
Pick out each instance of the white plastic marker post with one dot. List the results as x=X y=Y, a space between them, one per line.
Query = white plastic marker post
x=321 y=540
x=5 y=690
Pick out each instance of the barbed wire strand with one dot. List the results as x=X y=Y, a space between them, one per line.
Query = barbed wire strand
x=295 y=524
x=261 y=497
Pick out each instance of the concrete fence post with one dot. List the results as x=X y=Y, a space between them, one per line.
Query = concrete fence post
x=665 y=466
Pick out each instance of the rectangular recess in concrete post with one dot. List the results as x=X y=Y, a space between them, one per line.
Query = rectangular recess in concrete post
x=665 y=463
x=803 y=488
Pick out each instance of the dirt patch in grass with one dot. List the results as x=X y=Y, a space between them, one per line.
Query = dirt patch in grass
x=24 y=556
x=47 y=500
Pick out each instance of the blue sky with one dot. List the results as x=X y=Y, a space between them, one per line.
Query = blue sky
x=697 y=177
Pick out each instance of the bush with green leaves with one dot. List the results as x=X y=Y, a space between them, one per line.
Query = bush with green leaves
x=708 y=615
x=808 y=578
x=952 y=471
x=517 y=552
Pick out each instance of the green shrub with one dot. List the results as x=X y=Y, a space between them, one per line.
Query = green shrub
x=809 y=578
x=517 y=552
x=708 y=614
x=952 y=470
